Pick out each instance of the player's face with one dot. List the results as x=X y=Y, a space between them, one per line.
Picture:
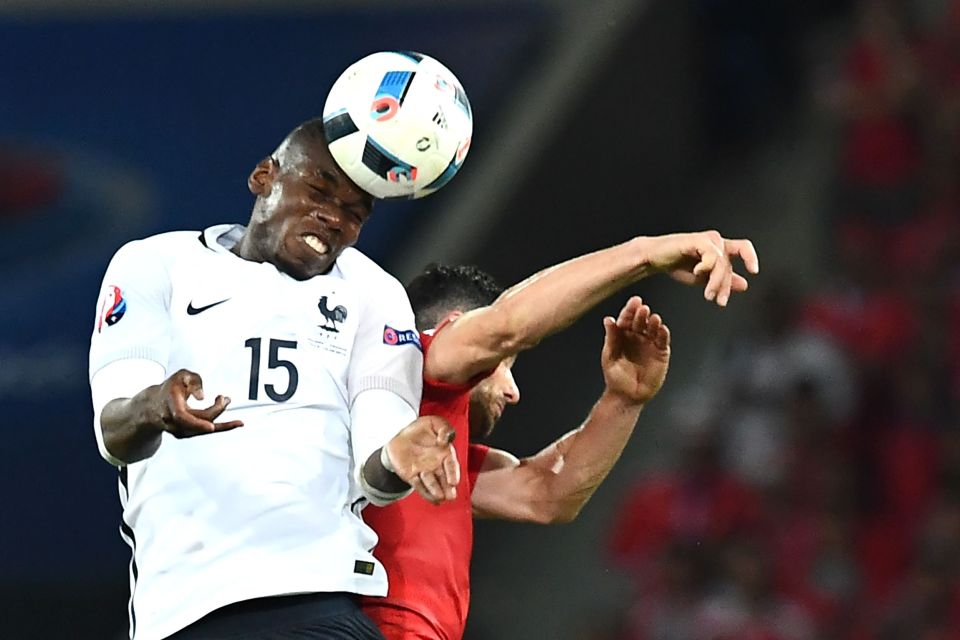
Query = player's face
x=308 y=211
x=490 y=397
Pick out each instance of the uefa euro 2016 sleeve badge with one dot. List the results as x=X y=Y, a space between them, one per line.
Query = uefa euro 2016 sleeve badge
x=112 y=307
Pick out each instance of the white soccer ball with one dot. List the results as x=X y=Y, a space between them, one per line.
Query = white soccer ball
x=398 y=123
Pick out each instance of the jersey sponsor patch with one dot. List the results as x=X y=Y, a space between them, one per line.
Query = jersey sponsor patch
x=112 y=307
x=392 y=336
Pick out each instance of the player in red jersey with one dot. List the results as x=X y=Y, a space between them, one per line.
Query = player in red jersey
x=471 y=334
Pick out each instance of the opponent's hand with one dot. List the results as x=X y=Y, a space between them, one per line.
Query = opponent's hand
x=636 y=352
x=183 y=421
x=423 y=456
x=704 y=258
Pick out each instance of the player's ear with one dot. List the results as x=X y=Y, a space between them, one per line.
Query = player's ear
x=261 y=178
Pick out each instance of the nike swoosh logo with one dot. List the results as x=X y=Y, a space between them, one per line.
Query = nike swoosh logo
x=192 y=310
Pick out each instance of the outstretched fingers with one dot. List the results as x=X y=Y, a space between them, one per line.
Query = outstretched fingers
x=417 y=483
x=653 y=326
x=718 y=286
x=440 y=482
x=451 y=468
x=185 y=421
x=661 y=337
x=748 y=254
x=714 y=266
x=432 y=486
x=638 y=319
x=214 y=411
x=738 y=283
x=641 y=319
x=633 y=315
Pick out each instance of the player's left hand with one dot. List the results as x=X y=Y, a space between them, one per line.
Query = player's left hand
x=636 y=352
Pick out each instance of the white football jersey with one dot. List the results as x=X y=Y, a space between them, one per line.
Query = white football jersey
x=270 y=508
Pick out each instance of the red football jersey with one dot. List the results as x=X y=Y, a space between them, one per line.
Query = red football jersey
x=426 y=548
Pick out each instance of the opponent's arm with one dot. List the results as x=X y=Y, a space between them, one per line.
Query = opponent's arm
x=553 y=485
x=554 y=298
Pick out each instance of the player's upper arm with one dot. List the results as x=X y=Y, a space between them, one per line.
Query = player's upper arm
x=508 y=488
x=386 y=352
x=133 y=310
x=130 y=342
x=386 y=368
x=472 y=344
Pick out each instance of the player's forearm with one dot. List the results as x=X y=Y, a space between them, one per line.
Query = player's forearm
x=131 y=432
x=551 y=300
x=582 y=459
x=382 y=485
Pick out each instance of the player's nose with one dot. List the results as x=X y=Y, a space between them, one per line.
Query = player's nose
x=511 y=392
x=332 y=217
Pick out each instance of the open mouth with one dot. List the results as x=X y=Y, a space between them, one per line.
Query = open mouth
x=315 y=243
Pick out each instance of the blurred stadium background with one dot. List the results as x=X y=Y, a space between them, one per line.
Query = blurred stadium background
x=799 y=477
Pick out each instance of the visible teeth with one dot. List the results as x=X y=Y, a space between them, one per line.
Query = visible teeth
x=316 y=244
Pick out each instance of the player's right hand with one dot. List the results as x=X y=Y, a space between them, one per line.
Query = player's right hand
x=704 y=258
x=423 y=456
x=183 y=421
x=636 y=352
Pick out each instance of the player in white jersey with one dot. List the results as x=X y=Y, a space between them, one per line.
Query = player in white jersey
x=252 y=529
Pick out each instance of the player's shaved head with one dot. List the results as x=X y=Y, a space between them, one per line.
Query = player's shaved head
x=305 y=141
x=307 y=210
x=441 y=289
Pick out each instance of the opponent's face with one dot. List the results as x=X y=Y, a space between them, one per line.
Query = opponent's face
x=307 y=211
x=490 y=397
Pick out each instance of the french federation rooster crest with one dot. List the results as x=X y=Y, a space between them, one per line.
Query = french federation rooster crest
x=331 y=316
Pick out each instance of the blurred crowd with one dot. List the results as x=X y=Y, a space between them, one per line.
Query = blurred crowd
x=816 y=494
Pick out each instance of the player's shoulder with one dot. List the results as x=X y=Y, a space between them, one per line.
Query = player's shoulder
x=167 y=244
x=357 y=267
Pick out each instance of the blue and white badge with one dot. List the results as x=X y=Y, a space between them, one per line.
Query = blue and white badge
x=393 y=337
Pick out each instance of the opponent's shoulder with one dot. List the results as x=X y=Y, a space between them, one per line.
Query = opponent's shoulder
x=355 y=266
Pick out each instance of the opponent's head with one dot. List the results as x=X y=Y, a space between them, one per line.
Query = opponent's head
x=491 y=396
x=307 y=210
x=441 y=293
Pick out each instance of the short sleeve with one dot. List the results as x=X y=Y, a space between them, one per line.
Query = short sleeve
x=132 y=316
x=387 y=354
x=476 y=454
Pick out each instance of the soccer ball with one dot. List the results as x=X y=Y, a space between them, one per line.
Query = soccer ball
x=398 y=123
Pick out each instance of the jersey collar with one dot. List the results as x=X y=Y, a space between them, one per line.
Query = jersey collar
x=222 y=238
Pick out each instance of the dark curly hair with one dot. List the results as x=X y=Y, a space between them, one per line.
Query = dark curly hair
x=441 y=289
